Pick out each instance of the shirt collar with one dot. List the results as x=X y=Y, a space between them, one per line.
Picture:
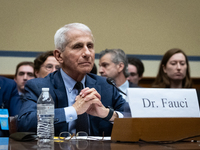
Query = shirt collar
x=20 y=93
x=124 y=86
x=69 y=82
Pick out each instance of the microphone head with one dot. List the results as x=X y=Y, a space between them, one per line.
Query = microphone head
x=110 y=81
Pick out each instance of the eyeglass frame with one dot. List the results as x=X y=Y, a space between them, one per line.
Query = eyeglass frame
x=49 y=67
x=73 y=135
x=70 y=140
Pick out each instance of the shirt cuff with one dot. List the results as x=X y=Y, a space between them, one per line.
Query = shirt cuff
x=70 y=114
x=120 y=115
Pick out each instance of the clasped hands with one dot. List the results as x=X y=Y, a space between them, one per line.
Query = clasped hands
x=89 y=101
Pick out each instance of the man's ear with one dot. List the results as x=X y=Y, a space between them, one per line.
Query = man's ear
x=58 y=55
x=120 y=66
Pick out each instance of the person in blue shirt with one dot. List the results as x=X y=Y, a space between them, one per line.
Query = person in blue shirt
x=9 y=99
x=114 y=64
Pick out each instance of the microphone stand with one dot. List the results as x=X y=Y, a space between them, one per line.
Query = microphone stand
x=111 y=81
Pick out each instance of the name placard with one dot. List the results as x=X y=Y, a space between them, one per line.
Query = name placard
x=160 y=102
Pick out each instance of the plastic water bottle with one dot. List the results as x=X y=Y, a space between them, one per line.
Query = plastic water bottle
x=45 y=116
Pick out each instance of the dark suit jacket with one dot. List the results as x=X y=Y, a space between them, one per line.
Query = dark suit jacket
x=9 y=98
x=27 y=120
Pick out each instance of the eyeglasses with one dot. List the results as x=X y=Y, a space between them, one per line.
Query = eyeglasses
x=80 y=145
x=66 y=136
x=50 y=67
x=80 y=140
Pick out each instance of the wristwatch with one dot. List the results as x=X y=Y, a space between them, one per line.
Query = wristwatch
x=110 y=114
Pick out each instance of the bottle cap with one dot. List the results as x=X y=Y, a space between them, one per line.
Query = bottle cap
x=45 y=89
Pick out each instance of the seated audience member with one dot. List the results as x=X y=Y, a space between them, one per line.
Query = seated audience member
x=113 y=64
x=44 y=64
x=24 y=72
x=9 y=99
x=174 y=70
x=99 y=103
x=135 y=69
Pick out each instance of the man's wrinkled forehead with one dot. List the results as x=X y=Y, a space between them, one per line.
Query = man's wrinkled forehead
x=71 y=35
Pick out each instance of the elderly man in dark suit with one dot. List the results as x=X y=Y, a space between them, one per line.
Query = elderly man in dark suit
x=9 y=99
x=100 y=101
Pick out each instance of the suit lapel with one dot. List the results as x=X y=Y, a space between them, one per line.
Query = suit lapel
x=60 y=91
x=91 y=83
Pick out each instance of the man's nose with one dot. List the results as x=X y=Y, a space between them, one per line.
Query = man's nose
x=101 y=69
x=86 y=52
x=25 y=76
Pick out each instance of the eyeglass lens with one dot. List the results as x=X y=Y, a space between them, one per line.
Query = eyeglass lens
x=65 y=136
x=50 y=67
x=81 y=135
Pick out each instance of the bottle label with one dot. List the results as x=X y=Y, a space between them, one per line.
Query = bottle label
x=45 y=109
x=4 y=119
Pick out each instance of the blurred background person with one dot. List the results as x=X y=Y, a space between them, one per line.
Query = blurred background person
x=45 y=64
x=135 y=69
x=9 y=99
x=24 y=72
x=114 y=64
x=174 y=70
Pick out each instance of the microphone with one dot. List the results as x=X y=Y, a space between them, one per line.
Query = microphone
x=111 y=81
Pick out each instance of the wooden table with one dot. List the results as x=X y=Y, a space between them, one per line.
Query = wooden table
x=98 y=145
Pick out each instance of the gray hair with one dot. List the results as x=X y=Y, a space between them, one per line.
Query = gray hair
x=118 y=56
x=61 y=37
